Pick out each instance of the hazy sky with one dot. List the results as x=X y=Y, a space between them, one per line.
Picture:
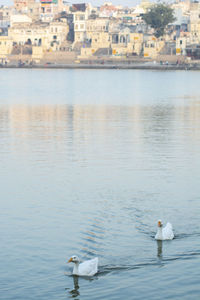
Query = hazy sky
x=94 y=2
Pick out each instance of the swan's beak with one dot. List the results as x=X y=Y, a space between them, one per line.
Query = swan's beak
x=70 y=260
x=159 y=224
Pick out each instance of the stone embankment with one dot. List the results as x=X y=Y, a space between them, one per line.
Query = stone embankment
x=71 y=61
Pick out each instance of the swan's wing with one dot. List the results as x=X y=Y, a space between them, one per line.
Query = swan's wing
x=168 y=232
x=89 y=267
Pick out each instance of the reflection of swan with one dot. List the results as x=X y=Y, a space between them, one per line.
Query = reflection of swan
x=165 y=233
x=87 y=268
x=159 y=250
x=75 y=291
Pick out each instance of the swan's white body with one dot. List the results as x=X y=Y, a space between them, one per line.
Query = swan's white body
x=165 y=233
x=87 y=268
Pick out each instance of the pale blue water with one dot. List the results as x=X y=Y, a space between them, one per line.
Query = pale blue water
x=89 y=161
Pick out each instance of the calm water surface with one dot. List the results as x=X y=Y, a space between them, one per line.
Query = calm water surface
x=89 y=161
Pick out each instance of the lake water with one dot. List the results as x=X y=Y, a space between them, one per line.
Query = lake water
x=89 y=161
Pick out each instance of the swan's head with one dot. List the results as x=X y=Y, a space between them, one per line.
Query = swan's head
x=74 y=259
x=160 y=224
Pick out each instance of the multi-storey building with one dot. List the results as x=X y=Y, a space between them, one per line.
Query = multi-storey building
x=80 y=19
x=194 y=26
x=6 y=44
x=4 y=19
x=21 y=5
x=97 y=32
x=47 y=35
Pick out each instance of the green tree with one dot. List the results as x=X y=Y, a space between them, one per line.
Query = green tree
x=158 y=17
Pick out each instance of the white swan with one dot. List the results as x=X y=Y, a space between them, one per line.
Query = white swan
x=87 y=268
x=165 y=233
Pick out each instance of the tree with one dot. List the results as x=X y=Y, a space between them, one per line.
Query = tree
x=158 y=17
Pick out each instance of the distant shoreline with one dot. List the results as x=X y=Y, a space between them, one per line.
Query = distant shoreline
x=172 y=67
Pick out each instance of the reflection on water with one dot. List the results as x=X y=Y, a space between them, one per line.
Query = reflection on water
x=81 y=131
x=85 y=177
x=54 y=122
x=93 y=236
x=75 y=292
x=159 y=249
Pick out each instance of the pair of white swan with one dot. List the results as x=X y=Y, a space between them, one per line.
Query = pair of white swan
x=90 y=267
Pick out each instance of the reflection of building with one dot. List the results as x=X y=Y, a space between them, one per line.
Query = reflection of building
x=54 y=120
x=76 y=128
x=43 y=124
x=50 y=117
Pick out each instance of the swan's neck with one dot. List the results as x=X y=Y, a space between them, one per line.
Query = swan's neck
x=159 y=233
x=75 y=270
